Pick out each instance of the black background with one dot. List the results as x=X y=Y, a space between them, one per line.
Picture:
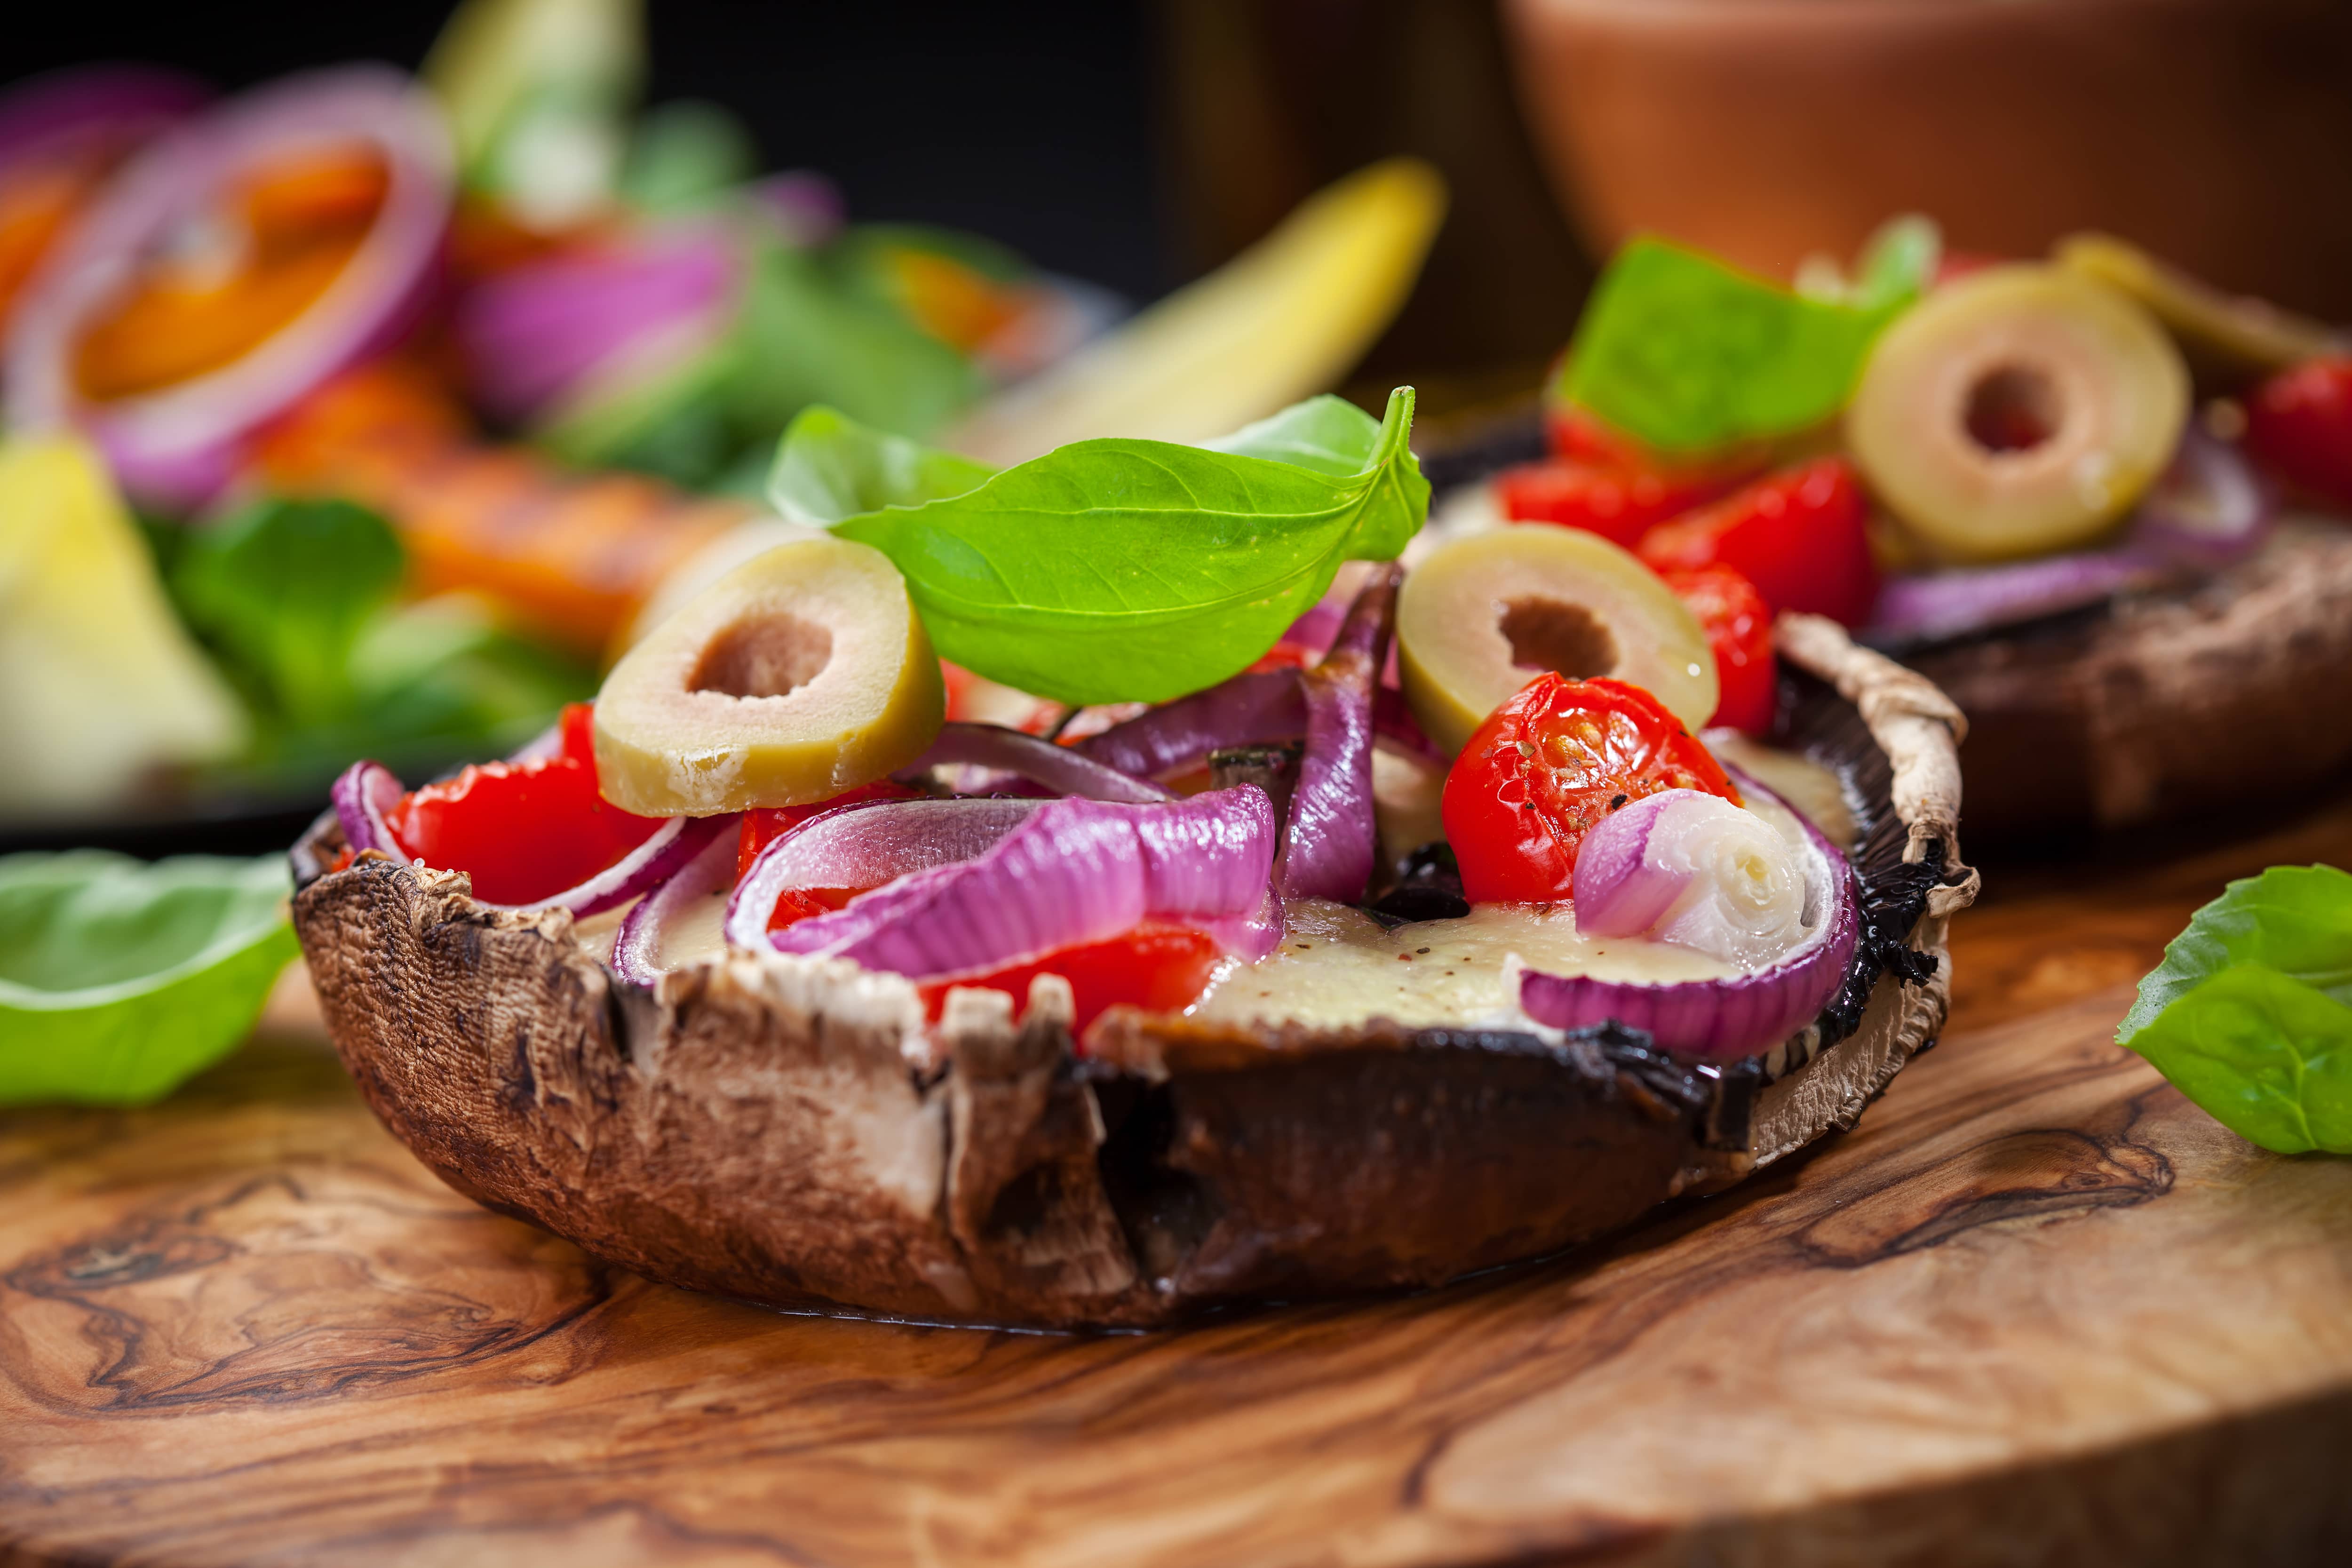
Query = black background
x=1033 y=123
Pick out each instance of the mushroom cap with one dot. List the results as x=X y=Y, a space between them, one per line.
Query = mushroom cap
x=786 y=1130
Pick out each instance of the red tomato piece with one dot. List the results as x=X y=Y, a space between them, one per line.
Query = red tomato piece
x=763 y=825
x=1738 y=625
x=1548 y=764
x=1159 y=967
x=796 y=904
x=1621 y=505
x=577 y=729
x=524 y=831
x=1800 y=535
x=2299 y=422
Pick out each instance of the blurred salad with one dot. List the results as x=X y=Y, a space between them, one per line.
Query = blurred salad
x=360 y=413
x=1930 y=446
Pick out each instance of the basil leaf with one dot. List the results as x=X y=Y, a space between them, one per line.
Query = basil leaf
x=1137 y=570
x=285 y=588
x=2263 y=1054
x=119 y=978
x=2297 y=920
x=829 y=466
x=1327 y=433
x=1687 y=354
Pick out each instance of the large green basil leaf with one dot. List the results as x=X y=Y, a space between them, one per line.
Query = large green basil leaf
x=829 y=466
x=1126 y=570
x=2263 y=1054
x=119 y=978
x=2297 y=920
x=1688 y=354
x=1327 y=433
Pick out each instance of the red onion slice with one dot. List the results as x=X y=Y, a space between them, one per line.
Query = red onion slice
x=804 y=206
x=1723 y=1020
x=1691 y=868
x=1328 y=850
x=866 y=843
x=1066 y=871
x=105 y=108
x=638 y=948
x=172 y=447
x=1931 y=605
x=361 y=796
x=1264 y=709
x=535 y=332
x=1066 y=770
x=2208 y=509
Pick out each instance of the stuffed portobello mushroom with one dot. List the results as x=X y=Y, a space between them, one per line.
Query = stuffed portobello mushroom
x=2097 y=503
x=1268 y=940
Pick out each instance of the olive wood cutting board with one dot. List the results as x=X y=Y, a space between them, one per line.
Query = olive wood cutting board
x=2037 y=1308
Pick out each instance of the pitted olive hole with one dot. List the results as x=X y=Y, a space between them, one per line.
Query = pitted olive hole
x=1553 y=634
x=771 y=655
x=2012 y=408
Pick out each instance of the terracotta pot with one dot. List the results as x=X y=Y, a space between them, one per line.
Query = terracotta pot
x=2216 y=132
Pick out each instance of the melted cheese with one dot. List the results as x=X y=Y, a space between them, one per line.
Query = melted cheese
x=1337 y=967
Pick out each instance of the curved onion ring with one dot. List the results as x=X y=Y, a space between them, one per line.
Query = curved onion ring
x=361 y=795
x=1064 y=770
x=1328 y=850
x=1723 y=1020
x=1046 y=875
x=176 y=447
x=636 y=950
x=1267 y=708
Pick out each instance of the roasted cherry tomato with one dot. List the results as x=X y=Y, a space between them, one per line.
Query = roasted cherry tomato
x=1800 y=536
x=2299 y=422
x=1738 y=625
x=524 y=831
x=1548 y=764
x=1621 y=505
x=763 y=826
x=1159 y=967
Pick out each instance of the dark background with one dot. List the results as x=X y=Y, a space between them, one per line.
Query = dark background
x=1133 y=142
x=1033 y=123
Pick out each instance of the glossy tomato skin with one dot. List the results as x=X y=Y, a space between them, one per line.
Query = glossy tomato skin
x=1738 y=626
x=1548 y=764
x=2299 y=423
x=1621 y=505
x=1162 y=968
x=1800 y=535
x=523 y=831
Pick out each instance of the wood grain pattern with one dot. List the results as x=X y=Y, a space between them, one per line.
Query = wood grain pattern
x=2035 y=1306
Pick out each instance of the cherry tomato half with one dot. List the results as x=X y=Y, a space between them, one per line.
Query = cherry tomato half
x=2299 y=422
x=1738 y=626
x=763 y=825
x=1800 y=535
x=1549 y=763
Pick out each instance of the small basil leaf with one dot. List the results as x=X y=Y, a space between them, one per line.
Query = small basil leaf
x=1687 y=354
x=829 y=466
x=119 y=978
x=1123 y=570
x=2263 y=1054
x=1327 y=433
x=284 y=589
x=2297 y=920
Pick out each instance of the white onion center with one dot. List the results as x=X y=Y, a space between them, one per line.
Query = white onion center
x=1745 y=900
